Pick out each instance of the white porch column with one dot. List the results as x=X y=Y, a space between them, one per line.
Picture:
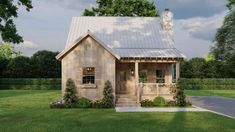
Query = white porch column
x=137 y=81
x=177 y=70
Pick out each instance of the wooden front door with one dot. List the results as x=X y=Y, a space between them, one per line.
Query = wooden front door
x=123 y=77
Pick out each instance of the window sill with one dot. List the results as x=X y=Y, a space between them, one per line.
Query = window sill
x=89 y=86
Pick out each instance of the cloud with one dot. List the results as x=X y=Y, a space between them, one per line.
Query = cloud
x=192 y=8
x=203 y=27
x=79 y=5
x=27 y=45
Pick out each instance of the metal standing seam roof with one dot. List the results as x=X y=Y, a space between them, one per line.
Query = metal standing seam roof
x=126 y=36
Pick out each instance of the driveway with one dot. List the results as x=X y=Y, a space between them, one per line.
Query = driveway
x=217 y=104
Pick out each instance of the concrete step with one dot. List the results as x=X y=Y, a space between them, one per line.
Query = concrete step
x=126 y=102
x=127 y=105
x=125 y=96
x=125 y=99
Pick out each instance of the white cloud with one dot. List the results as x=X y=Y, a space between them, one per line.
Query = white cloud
x=27 y=45
x=203 y=27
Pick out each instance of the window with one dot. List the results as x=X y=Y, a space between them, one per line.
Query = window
x=88 y=75
x=143 y=76
x=160 y=76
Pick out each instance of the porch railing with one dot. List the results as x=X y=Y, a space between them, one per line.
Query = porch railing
x=155 y=88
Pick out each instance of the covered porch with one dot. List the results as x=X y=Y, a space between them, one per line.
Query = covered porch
x=141 y=79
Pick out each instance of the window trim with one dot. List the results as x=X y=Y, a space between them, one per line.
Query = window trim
x=146 y=71
x=91 y=80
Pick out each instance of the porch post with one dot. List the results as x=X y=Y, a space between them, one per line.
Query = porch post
x=177 y=70
x=137 y=81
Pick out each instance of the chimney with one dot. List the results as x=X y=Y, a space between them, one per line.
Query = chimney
x=167 y=22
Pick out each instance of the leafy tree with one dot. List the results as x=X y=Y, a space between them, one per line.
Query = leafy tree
x=225 y=39
x=7 y=51
x=45 y=64
x=8 y=11
x=231 y=4
x=108 y=95
x=18 y=67
x=122 y=8
x=70 y=98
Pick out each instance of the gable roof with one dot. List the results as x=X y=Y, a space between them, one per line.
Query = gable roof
x=72 y=46
x=126 y=36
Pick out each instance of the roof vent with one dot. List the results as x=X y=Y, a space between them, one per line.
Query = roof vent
x=167 y=21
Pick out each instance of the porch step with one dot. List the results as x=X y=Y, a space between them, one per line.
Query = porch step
x=127 y=105
x=125 y=100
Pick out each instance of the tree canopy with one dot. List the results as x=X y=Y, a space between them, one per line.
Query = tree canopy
x=8 y=11
x=7 y=51
x=122 y=8
x=224 y=47
x=231 y=4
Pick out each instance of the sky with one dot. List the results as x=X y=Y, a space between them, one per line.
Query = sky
x=47 y=25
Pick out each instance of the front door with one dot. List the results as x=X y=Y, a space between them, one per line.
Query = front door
x=123 y=77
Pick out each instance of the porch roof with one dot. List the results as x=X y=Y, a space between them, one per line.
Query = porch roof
x=149 y=53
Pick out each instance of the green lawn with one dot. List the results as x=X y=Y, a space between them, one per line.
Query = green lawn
x=224 y=93
x=29 y=111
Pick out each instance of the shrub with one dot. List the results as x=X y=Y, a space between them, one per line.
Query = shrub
x=146 y=103
x=97 y=104
x=208 y=83
x=30 y=83
x=70 y=97
x=171 y=103
x=179 y=95
x=58 y=104
x=107 y=101
x=159 y=101
x=83 y=103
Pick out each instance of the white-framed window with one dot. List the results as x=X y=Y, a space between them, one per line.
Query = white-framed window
x=88 y=76
x=160 y=76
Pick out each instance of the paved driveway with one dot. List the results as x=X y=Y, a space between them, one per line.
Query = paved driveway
x=214 y=103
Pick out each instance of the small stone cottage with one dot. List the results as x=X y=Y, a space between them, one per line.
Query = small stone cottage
x=136 y=54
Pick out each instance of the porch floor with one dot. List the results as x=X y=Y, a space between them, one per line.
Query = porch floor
x=141 y=109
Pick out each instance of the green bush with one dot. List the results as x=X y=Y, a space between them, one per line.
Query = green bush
x=108 y=100
x=159 y=101
x=208 y=84
x=97 y=104
x=179 y=95
x=70 y=97
x=30 y=83
x=83 y=103
x=171 y=103
x=146 y=103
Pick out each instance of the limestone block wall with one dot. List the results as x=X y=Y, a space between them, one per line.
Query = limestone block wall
x=88 y=53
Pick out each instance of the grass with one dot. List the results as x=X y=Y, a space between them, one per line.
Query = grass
x=223 y=93
x=22 y=111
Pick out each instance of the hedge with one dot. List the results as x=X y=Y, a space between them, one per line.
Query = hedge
x=208 y=84
x=30 y=83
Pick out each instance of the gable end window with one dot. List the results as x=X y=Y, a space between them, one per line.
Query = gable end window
x=88 y=75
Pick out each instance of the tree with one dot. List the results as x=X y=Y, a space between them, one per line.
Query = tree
x=8 y=11
x=45 y=64
x=18 y=67
x=7 y=51
x=122 y=8
x=231 y=4
x=225 y=39
x=70 y=97
x=108 y=95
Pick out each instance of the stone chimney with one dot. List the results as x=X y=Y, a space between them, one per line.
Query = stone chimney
x=167 y=22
